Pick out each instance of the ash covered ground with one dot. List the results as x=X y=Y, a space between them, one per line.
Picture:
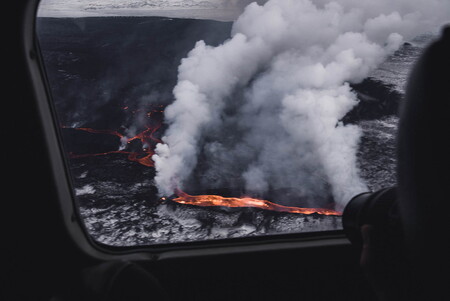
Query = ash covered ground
x=105 y=71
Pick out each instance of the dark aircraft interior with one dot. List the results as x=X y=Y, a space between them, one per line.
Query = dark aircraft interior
x=50 y=257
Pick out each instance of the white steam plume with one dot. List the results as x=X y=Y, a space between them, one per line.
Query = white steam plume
x=282 y=81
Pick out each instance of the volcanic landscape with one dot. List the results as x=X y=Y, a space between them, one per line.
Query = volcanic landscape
x=111 y=79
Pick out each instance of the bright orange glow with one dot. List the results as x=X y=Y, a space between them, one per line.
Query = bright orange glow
x=146 y=160
x=144 y=157
x=147 y=135
x=216 y=200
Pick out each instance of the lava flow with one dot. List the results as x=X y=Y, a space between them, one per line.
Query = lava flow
x=216 y=200
x=143 y=157
x=146 y=159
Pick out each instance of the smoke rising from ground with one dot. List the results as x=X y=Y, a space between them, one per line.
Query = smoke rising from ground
x=262 y=111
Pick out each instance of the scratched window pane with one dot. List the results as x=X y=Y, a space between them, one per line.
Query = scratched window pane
x=189 y=120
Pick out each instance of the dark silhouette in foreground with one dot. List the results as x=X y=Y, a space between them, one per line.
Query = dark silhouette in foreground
x=43 y=262
x=402 y=261
x=415 y=266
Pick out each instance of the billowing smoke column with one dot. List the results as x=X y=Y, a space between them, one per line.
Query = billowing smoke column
x=262 y=110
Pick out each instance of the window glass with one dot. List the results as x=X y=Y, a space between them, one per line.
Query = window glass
x=194 y=120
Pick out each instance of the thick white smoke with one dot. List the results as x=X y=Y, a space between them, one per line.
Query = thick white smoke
x=264 y=107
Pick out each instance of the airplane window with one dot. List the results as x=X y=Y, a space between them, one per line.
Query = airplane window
x=198 y=120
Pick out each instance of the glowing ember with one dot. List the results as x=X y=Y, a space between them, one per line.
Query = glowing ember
x=215 y=200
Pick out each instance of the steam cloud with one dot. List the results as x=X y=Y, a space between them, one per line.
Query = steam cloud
x=262 y=111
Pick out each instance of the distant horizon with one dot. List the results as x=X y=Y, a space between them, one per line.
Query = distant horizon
x=221 y=10
x=207 y=14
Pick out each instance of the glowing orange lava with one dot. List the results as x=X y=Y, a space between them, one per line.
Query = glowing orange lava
x=143 y=157
x=146 y=158
x=216 y=200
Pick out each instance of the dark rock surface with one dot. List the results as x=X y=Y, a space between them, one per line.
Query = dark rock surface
x=104 y=71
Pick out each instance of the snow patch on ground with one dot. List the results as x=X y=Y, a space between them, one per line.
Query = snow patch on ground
x=86 y=189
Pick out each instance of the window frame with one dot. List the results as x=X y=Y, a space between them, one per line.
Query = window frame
x=69 y=209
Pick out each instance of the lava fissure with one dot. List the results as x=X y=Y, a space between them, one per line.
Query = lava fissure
x=233 y=202
x=146 y=137
x=144 y=157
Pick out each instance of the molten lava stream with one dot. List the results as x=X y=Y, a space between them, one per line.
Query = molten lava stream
x=132 y=156
x=216 y=200
x=146 y=137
